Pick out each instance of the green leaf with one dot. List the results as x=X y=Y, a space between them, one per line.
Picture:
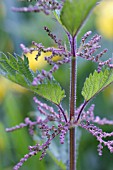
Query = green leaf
x=12 y=61
x=56 y=14
x=51 y=91
x=96 y=83
x=17 y=70
x=74 y=13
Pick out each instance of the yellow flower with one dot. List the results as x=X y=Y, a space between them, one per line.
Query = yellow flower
x=40 y=63
x=104 y=18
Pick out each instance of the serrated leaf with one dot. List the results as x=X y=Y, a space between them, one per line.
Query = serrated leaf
x=7 y=67
x=12 y=61
x=96 y=83
x=17 y=70
x=51 y=91
x=23 y=67
x=74 y=13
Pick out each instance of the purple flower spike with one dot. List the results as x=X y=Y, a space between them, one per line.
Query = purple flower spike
x=45 y=6
x=87 y=51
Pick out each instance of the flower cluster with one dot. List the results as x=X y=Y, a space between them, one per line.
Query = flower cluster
x=54 y=123
x=100 y=136
x=87 y=118
x=60 y=51
x=49 y=131
x=54 y=52
x=87 y=51
x=58 y=42
x=45 y=6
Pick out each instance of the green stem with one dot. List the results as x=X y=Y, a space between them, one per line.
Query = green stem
x=73 y=104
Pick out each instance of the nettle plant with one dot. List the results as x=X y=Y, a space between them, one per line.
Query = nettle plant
x=71 y=14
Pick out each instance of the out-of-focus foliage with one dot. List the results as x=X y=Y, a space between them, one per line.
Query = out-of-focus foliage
x=5 y=41
x=6 y=85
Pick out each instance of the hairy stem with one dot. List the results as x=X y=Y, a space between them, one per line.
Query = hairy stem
x=82 y=108
x=73 y=104
x=61 y=109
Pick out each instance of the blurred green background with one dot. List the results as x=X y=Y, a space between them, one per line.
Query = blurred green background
x=16 y=103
